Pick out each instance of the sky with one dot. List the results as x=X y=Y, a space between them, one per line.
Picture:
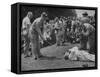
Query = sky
x=80 y=12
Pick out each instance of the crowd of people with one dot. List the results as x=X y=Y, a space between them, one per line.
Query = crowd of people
x=43 y=32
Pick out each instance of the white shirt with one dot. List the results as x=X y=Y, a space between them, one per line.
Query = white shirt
x=76 y=54
x=25 y=25
x=26 y=22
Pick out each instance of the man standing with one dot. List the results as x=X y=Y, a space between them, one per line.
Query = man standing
x=88 y=35
x=25 y=31
x=69 y=24
x=60 y=32
x=84 y=36
x=34 y=33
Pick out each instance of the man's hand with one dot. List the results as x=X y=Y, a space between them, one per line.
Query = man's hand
x=43 y=38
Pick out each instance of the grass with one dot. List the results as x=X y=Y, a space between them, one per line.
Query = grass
x=55 y=61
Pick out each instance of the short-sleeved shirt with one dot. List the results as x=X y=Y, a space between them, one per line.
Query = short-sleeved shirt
x=89 y=27
x=34 y=24
x=85 y=20
x=25 y=25
x=32 y=31
x=25 y=22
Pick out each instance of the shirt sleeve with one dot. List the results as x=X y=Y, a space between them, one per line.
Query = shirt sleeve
x=26 y=23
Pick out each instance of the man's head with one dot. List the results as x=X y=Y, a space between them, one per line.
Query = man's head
x=70 y=54
x=44 y=16
x=85 y=14
x=30 y=14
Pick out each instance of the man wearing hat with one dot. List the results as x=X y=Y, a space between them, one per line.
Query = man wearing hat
x=83 y=41
x=25 y=30
x=88 y=34
x=34 y=33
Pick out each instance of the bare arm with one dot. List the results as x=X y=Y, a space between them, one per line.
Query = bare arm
x=39 y=31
